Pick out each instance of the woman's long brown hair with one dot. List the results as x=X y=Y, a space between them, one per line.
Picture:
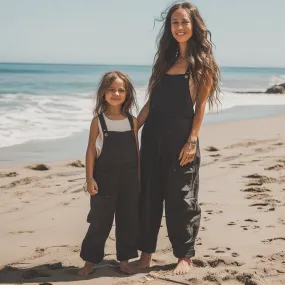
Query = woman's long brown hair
x=199 y=53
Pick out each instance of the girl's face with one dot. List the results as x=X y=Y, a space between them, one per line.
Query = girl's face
x=181 y=26
x=116 y=94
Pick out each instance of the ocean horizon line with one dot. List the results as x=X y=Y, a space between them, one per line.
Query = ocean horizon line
x=134 y=65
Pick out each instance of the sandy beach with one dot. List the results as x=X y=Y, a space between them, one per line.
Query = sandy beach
x=242 y=232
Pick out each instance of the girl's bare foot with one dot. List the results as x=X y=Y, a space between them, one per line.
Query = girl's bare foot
x=183 y=266
x=144 y=261
x=86 y=269
x=126 y=267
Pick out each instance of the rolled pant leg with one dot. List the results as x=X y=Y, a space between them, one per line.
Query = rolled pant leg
x=101 y=219
x=183 y=212
x=127 y=217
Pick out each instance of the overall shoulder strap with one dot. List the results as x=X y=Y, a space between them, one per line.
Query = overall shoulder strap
x=130 y=118
x=103 y=123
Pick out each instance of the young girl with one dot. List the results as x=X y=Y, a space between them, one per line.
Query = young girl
x=112 y=173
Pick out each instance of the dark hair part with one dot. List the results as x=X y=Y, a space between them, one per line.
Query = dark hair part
x=199 y=53
x=104 y=84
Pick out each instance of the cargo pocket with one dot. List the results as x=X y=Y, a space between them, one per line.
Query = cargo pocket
x=189 y=189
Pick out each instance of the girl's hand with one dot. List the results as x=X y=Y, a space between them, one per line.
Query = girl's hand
x=187 y=154
x=92 y=187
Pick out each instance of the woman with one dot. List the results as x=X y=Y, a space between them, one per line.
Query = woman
x=184 y=75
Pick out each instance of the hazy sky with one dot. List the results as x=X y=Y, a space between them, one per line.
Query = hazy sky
x=245 y=32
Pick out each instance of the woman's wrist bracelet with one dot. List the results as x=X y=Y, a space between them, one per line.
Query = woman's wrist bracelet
x=89 y=180
x=192 y=142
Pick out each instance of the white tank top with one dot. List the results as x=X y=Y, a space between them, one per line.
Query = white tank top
x=112 y=125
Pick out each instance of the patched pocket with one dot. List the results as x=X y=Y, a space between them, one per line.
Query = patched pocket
x=189 y=175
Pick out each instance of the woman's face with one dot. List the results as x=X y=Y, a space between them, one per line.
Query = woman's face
x=181 y=26
x=116 y=93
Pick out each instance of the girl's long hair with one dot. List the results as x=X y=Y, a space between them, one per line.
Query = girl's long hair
x=105 y=83
x=199 y=53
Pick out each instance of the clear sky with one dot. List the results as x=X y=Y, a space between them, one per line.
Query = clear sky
x=245 y=32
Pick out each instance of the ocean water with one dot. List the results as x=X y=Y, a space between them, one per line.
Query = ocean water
x=51 y=101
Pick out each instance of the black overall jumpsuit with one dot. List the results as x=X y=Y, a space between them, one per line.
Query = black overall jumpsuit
x=116 y=173
x=164 y=134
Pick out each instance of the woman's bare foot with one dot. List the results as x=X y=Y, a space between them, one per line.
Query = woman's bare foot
x=86 y=269
x=126 y=267
x=144 y=261
x=183 y=266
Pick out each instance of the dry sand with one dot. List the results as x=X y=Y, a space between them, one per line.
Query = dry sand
x=242 y=233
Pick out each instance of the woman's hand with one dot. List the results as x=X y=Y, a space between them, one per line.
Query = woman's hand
x=92 y=187
x=187 y=153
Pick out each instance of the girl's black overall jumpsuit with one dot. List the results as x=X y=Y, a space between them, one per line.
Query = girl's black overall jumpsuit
x=116 y=173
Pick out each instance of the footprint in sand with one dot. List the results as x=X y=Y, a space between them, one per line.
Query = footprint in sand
x=251 y=220
x=206 y=219
x=247 y=278
x=40 y=249
x=212 y=278
x=8 y=174
x=254 y=227
x=21 y=232
x=275 y=167
x=215 y=155
x=210 y=212
x=281 y=221
x=215 y=262
x=258 y=256
x=220 y=250
x=24 y=181
x=261 y=178
x=256 y=189
x=279 y=256
x=270 y=240
x=76 y=163
x=225 y=276
x=40 y=167
x=236 y=165
x=259 y=205
x=211 y=148
x=219 y=261
x=273 y=201
x=257 y=196
x=254 y=183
